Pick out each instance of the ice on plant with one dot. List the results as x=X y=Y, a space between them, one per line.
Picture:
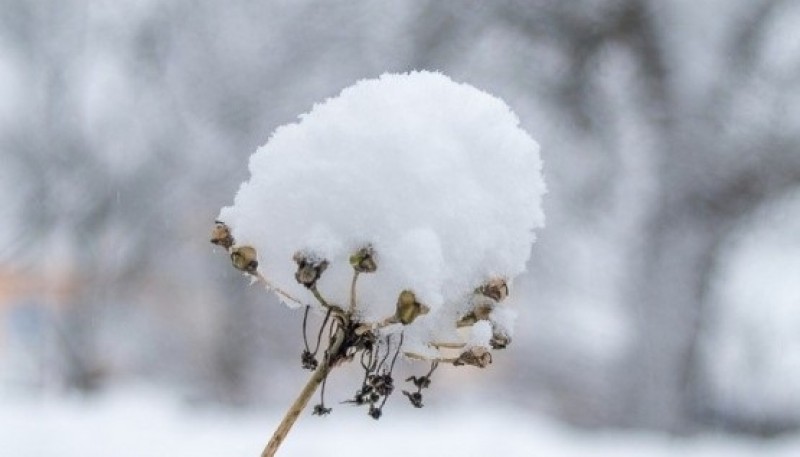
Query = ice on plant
x=436 y=176
x=480 y=334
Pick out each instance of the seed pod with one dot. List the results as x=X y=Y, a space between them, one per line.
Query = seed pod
x=415 y=398
x=408 y=308
x=480 y=312
x=499 y=340
x=477 y=356
x=221 y=235
x=363 y=261
x=309 y=270
x=495 y=288
x=244 y=259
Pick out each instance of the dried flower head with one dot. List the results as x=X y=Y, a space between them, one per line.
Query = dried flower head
x=408 y=308
x=309 y=269
x=363 y=261
x=499 y=340
x=221 y=235
x=244 y=258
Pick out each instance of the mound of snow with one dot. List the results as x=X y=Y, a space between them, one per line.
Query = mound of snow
x=436 y=176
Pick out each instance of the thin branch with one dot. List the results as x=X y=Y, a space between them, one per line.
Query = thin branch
x=353 y=293
x=321 y=329
x=388 y=351
x=447 y=345
x=415 y=356
x=277 y=289
x=324 y=302
x=305 y=322
x=399 y=346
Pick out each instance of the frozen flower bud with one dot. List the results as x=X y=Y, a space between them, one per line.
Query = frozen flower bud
x=477 y=356
x=309 y=269
x=408 y=308
x=221 y=235
x=244 y=259
x=363 y=261
x=495 y=288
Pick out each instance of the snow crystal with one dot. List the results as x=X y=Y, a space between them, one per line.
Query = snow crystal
x=436 y=176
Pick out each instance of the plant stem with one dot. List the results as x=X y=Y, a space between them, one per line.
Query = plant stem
x=352 y=308
x=301 y=402
x=277 y=289
x=324 y=302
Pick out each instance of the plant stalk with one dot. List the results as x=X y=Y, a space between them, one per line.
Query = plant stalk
x=301 y=401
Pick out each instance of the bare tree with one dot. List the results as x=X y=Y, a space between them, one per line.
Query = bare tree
x=708 y=176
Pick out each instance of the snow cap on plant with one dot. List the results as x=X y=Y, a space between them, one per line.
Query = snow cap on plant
x=403 y=206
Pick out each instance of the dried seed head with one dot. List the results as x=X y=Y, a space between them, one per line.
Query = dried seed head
x=408 y=308
x=244 y=259
x=499 y=340
x=382 y=384
x=308 y=361
x=477 y=356
x=221 y=235
x=363 y=261
x=415 y=398
x=495 y=288
x=307 y=275
x=375 y=412
x=321 y=410
x=309 y=269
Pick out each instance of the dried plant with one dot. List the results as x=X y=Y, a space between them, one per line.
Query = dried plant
x=398 y=211
x=347 y=338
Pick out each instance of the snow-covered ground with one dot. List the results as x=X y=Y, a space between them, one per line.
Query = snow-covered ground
x=144 y=423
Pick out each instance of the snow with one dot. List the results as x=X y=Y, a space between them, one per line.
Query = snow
x=435 y=175
x=480 y=334
x=143 y=422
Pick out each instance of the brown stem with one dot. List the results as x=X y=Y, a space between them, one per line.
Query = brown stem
x=415 y=356
x=324 y=303
x=277 y=289
x=352 y=308
x=305 y=395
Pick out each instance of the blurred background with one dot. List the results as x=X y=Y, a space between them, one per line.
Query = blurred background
x=662 y=299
